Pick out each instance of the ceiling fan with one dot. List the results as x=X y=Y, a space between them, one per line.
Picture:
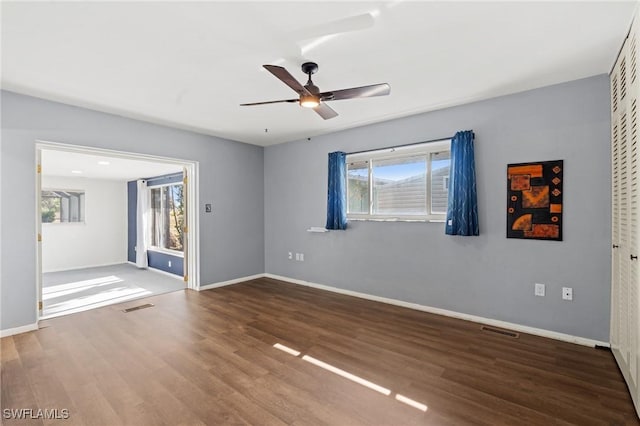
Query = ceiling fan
x=310 y=95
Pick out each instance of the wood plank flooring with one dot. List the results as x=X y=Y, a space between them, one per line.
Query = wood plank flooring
x=209 y=358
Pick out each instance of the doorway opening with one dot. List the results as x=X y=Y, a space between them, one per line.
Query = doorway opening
x=112 y=226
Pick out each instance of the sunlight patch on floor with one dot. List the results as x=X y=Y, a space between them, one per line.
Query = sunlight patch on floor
x=349 y=376
x=112 y=296
x=54 y=291
x=286 y=349
x=411 y=402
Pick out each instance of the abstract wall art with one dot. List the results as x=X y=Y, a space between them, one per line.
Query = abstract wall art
x=534 y=200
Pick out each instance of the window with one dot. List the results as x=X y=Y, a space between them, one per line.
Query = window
x=403 y=183
x=167 y=217
x=59 y=206
x=358 y=188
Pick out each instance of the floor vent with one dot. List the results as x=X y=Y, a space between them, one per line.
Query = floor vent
x=500 y=331
x=135 y=308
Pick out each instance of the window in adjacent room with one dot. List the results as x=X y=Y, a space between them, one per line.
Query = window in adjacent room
x=403 y=183
x=167 y=217
x=60 y=206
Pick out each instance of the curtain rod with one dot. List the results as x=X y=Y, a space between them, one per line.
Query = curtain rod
x=400 y=146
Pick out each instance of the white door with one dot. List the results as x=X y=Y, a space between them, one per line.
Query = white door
x=625 y=167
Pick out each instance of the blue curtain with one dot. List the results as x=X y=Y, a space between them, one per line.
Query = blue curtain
x=462 y=208
x=337 y=194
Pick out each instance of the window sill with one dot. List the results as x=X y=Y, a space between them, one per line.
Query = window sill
x=362 y=219
x=167 y=251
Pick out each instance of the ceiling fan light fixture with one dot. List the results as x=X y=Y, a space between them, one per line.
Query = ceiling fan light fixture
x=310 y=96
x=309 y=101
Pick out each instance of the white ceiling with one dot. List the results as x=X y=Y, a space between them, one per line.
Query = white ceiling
x=67 y=164
x=190 y=64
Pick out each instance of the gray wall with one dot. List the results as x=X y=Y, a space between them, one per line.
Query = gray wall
x=490 y=275
x=231 y=173
x=251 y=231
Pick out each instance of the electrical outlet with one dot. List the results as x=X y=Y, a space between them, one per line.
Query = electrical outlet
x=567 y=293
x=298 y=256
x=169 y=264
x=301 y=257
x=290 y=256
x=539 y=290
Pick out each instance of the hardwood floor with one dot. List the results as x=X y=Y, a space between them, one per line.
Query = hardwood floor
x=209 y=358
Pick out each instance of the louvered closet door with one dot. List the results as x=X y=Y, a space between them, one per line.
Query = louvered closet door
x=621 y=209
x=634 y=192
x=615 y=215
x=634 y=169
x=625 y=167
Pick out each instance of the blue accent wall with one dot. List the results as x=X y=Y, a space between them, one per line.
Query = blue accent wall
x=156 y=259
x=160 y=260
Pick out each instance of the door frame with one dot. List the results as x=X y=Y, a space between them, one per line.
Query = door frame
x=192 y=261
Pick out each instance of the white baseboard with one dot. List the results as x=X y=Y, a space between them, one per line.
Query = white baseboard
x=453 y=314
x=75 y=268
x=230 y=282
x=17 y=330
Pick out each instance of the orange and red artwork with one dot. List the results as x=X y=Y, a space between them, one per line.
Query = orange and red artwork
x=534 y=200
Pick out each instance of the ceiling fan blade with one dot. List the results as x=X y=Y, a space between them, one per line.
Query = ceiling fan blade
x=270 y=102
x=325 y=111
x=339 y=26
x=382 y=89
x=283 y=75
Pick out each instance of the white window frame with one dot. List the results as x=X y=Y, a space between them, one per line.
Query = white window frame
x=413 y=150
x=154 y=247
x=82 y=206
